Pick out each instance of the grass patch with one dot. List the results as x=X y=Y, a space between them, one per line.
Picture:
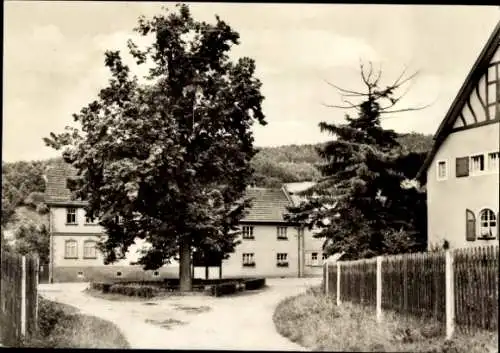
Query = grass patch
x=315 y=322
x=61 y=326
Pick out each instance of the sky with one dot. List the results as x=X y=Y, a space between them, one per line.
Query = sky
x=54 y=61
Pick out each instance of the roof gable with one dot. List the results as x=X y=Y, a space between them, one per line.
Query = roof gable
x=475 y=103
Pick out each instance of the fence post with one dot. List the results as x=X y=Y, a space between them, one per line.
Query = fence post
x=23 y=296
x=325 y=268
x=338 y=283
x=37 y=264
x=450 y=295
x=379 y=289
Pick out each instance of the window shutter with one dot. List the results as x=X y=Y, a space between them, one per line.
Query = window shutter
x=462 y=167
x=470 y=225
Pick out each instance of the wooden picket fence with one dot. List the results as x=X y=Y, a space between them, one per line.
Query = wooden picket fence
x=18 y=298
x=456 y=288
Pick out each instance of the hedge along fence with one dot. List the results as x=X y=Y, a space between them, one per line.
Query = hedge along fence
x=455 y=288
x=18 y=297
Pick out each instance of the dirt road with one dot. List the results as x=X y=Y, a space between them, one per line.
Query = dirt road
x=241 y=322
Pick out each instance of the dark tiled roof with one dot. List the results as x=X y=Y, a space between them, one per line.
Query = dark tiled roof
x=268 y=205
x=56 y=177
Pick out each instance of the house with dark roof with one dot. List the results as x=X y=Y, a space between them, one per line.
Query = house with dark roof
x=461 y=172
x=270 y=246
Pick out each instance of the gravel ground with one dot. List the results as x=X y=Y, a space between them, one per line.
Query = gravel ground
x=240 y=322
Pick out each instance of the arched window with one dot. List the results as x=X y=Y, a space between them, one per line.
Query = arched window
x=488 y=223
x=70 y=249
x=89 y=249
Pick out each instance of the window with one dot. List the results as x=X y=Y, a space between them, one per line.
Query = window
x=282 y=260
x=80 y=274
x=281 y=233
x=493 y=165
x=89 y=249
x=477 y=164
x=248 y=232
x=324 y=257
x=312 y=259
x=248 y=260
x=118 y=274
x=156 y=274
x=90 y=220
x=487 y=225
x=119 y=219
x=462 y=167
x=470 y=225
x=70 y=249
x=442 y=170
x=71 y=215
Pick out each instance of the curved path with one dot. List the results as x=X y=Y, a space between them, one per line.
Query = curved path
x=239 y=322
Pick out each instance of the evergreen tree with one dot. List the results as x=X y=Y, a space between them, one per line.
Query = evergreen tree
x=361 y=204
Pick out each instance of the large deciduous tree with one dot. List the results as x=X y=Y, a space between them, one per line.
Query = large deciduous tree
x=362 y=205
x=170 y=156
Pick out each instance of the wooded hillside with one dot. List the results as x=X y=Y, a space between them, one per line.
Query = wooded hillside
x=23 y=184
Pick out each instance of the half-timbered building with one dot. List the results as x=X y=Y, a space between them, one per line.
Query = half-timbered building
x=461 y=172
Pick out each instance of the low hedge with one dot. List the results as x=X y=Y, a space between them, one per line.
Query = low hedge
x=221 y=289
x=133 y=290
x=255 y=283
x=148 y=289
x=129 y=289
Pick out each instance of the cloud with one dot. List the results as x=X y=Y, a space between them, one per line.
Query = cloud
x=47 y=34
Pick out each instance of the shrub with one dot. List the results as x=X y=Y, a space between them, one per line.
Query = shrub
x=48 y=316
x=98 y=286
x=106 y=287
x=224 y=288
x=255 y=283
x=133 y=290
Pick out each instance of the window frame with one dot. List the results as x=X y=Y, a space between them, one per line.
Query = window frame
x=446 y=172
x=487 y=162
x=310 y=261
x=247 y=236
x=282 y=259
x=90 y=222
x=74 y=214
x=279 y=234
x=250 y=256
x=66 y=253
x=85 y=247
x=473 y=172
x=491 y=229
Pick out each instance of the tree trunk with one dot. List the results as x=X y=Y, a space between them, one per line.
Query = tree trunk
x=185 y=265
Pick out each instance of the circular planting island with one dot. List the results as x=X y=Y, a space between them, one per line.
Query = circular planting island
x=118 y=289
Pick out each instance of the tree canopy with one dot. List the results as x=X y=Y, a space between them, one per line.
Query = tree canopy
x=171 y=156
x=360 y=203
